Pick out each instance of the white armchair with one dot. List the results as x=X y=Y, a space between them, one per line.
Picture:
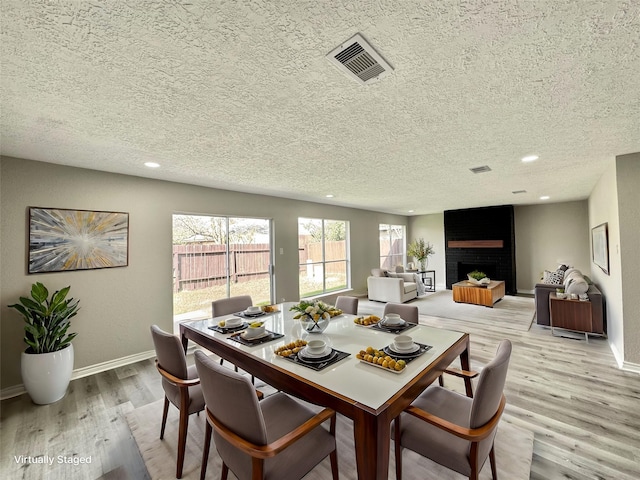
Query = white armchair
x=399 y=288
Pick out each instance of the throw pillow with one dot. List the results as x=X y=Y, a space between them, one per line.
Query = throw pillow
x=552 y=278
x=577 y=285
x=563 y=267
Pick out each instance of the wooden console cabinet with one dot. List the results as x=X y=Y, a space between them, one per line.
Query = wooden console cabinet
x=574 y=315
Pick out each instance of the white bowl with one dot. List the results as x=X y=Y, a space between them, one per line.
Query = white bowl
x=403 y=342
x=253 y=310
x=316 y=347
x=232 y=322
x=392 y=319
x=252 y=332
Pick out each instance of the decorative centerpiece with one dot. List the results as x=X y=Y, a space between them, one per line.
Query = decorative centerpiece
x=478 y=278
x=421 y=250
x=313 y=314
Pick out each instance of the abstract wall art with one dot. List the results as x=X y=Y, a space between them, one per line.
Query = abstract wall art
x=65 y=240
x=600 y=247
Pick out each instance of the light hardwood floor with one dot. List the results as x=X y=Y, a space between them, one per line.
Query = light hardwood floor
x=584 y=411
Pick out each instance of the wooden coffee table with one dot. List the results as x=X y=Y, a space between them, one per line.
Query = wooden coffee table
x=467 y=292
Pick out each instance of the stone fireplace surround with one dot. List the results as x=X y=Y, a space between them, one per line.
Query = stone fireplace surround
x=481 y=239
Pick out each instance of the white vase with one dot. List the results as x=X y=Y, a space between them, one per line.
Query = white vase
x=46 y=376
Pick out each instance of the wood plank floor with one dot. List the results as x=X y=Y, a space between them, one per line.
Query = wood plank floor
x=584 y=411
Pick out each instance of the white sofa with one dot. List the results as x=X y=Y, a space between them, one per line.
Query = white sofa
x=397 y=288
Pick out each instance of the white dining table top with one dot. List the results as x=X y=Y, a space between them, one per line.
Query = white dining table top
x=359 y=381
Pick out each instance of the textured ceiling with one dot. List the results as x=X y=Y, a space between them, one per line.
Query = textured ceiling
x=239 y=95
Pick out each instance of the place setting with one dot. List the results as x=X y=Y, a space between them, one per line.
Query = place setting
x=229 y=325
x=255 y=334
x=393 y=323
x=256 y=311
x=314 y=354
x=405 y=348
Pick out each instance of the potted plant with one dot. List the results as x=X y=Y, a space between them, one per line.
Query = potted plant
x=47 y=363
x=421 y=250
x=478 y=278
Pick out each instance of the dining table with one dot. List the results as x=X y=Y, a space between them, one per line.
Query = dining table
x=371 y=396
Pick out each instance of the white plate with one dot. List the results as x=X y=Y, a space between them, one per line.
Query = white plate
x=305 y=353
x=414 y=348
x=235 y=325
x=385 y=323
x=253 y=314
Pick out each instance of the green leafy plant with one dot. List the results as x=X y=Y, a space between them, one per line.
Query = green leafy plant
x=477 y=275
x=47 y=318
x=420 y=250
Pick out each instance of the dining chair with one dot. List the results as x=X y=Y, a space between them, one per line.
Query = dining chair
x=453 y=430
x=278 y=437
x=180 y=383
x=409 y=313
x=347 y=304
x=227 y=306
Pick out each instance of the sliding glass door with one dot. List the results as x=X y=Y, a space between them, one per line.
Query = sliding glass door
x=218 y=257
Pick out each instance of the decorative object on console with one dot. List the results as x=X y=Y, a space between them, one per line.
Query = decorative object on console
x=63 y=240
x=478 y=278
x=421 y=250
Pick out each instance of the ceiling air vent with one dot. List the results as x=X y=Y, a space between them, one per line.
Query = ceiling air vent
x=482 y=169
x=359 y=61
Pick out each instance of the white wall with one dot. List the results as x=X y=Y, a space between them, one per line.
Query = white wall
x=628 y=185
x=603 y=208
x=119 y=304
x=431 y=228
x=547 y=235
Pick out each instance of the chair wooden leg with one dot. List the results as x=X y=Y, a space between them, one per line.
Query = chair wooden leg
x=492 y=460
x=205 y=450
x=398 y=449
x=182 y=439
x=225 y=471
x=441 y=381
x=164 y=416
x=473 y=459
x=333 y=456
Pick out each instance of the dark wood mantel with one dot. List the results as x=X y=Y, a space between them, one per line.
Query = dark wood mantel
x=475 y=243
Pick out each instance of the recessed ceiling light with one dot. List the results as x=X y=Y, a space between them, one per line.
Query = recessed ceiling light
x=151 y=164
x=329 y=195
x=530 y=158
x=411 y=211
x=544 y=197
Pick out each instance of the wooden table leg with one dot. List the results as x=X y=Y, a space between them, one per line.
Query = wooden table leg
x=372 y=437
x=185 y=340
x=464 y=362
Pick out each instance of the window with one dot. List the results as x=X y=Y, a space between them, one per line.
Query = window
x=218 y=257
x=324 y=256
x=392 y=246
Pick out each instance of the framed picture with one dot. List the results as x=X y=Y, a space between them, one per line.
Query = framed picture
x=64 y=240
x=600 y=247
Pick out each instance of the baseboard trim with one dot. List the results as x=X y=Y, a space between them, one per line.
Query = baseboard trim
x=631 y=367
x=16 y=390
x=622 y=365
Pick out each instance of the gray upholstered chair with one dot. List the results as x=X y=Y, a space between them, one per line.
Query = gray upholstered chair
x=227 y=306
x=409 y=313
x=277 y=438
x=454 y=430
x=180 y=384
x=347 y=304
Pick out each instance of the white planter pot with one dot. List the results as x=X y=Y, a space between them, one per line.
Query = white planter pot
x=46 y=376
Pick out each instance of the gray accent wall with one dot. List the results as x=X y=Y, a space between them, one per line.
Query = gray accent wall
x=119 y=304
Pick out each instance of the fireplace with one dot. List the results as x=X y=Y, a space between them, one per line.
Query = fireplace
x=481 y=239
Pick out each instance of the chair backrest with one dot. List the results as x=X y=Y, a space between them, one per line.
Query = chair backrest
x=226 y=306
x=347 y=304
x=169 y=352
x=490 y=386
x=409 y=313
x=399 y=269
x=231 y=399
